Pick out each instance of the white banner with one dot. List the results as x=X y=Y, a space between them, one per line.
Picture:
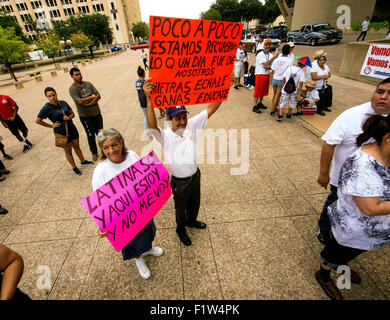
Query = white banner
x=377 y=62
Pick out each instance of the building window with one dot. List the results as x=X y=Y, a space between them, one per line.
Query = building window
x=55 y=13
x=290 y=3
x=21 y=6
x=116 y=27
x=32 y=37
x=8 y=8
x=36 y=4
x=83 y=9
x=112 y=5
x=98 y=7
x=114 y=15
x=40 y=15
x=29 y=27
x=51 y=3
x=80 y=1
x=66 y=1
x=25 y=17
x=69 y=12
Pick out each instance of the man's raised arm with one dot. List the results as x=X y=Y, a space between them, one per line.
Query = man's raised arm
x=148 y=88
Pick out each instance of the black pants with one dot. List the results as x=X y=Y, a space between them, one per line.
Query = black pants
x=363 y=33
x=16 y=126
x=326 y=98
x=145 y=63
x=335 y=254
x=92 y=125
x=186 y=194
x=324 y=221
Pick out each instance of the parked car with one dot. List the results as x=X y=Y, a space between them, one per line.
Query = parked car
x=276 y=32
x=315 y=34
x=115 y=48
x=250 y=44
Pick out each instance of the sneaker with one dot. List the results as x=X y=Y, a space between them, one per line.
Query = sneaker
x=236 y=87
x=280 y=117
x=261 y=106
x=288 y=116
x=155 y=251
x=94 y=157
x=256 y=109
x=3 y=210
x=8 y=157
x=297 y=114
x=86 y=163
x=29 y=143
x=142 y=268
x=240 y=85
x=77 y=171
x=26 y=148
x=252 y=88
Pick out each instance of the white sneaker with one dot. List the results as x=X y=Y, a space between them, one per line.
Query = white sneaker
x=155 y=251
x=142 y=268
x=252 y=88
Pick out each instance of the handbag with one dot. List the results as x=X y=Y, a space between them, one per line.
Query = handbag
x=290 y=85
x=60 y=140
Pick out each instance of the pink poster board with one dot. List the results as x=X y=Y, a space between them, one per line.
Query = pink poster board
x=128 y=202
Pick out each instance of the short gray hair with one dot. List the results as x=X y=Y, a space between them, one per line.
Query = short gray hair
x=111 y=134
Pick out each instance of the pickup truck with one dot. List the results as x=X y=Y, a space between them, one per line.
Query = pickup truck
x=315 y=34
x=276 y=32
x=250 y=44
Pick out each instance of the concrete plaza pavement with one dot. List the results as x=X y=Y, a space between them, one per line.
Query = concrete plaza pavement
x=260 y=241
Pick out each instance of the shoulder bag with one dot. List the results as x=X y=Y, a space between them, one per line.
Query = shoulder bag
x=290 y=85
x=60 y=140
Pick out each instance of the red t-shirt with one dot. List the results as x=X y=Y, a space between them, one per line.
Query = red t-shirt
x=6 y=107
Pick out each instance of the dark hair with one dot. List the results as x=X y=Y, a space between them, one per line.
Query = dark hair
x=286 y=49
x=376 y=126
x=140 y=72
x=73 y=70
x=387 y=80
x=47 y=89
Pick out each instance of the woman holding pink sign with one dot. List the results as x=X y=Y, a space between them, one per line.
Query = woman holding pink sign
x=113 y=160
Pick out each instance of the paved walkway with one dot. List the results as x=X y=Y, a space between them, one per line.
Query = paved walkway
x=260 y=242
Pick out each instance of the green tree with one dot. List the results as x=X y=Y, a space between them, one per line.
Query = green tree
x=211 y=14
x=269 y=12
x=229 y=10
x=49 y=44
x=140 y=29
x=7 y=21
x=12 y=49
x=81 y=41
x=250 y=9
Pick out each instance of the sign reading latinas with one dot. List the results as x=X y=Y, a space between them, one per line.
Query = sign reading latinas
x=377 y=62
x=191 y=60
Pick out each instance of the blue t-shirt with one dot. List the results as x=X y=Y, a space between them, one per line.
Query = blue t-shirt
x=141 y=94
x=55 y=114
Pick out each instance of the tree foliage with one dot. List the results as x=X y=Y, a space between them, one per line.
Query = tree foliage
x=211 y=14
x=12 y=49
x=49 y=44
x=140 y=29
x=7 y=21
x=229 y=10
x=250 y=9
x=269 y=12
x=81 y=41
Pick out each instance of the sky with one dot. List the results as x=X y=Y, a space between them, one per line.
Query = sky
x=189 y=9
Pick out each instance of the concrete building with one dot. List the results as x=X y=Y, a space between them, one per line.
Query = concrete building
x=339 y=13
x=122 y=13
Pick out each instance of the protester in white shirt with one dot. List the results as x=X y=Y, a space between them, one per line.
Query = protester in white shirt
x=339 y=143
x=360 y=218
x=239 y=65
x=259 y=44
x=296 y=72
x=320 y=73
x=263 y=65
x=365 y=24
x=178 y=141
x=278 y=67
x=291 y=55
x=144 y=57
x=114 y=159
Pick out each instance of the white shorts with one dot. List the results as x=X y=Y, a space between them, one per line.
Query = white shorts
x=291 y=98
x=239 y=70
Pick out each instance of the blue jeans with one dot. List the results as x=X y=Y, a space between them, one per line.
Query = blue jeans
x=324 y=221
x=145 y=120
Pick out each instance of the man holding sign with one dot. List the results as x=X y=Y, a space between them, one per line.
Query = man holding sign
x=179 y=145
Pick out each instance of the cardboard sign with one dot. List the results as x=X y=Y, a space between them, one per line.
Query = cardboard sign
x=191 y=60
x=127 y=203
x=377 y=62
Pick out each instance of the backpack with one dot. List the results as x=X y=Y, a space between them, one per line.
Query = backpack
x=290 y=86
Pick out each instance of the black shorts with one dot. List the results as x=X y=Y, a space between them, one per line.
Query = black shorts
x=16 y=126
x=73 y=134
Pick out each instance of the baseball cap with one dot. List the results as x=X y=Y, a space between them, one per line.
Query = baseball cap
x=268 y=40
x=174 y=111
x=291 y=44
